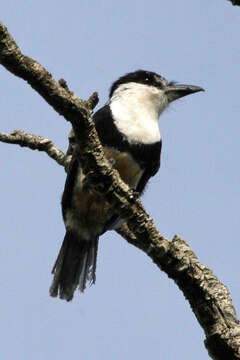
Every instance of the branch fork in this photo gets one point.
(208, 297)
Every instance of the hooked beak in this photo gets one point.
(176, 91)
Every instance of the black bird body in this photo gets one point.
(128, 130)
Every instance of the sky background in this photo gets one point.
(134, 310)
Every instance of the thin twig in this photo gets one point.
(208, 297)
(35, 142)
(235, 2)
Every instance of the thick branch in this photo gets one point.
(56, 94)
(209, 299)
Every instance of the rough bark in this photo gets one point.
(208, 297)
(34, 142)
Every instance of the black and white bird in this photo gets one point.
(129, 132)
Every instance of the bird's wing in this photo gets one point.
(147, 155)
(106, 129)
(151, 163)
(69, 185)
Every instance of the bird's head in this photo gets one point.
(149, 86)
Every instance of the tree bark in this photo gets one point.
(208, 297)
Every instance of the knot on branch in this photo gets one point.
(92, 101)
(64, 85)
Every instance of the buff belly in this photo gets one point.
(90, 211)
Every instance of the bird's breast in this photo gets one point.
(124, 163)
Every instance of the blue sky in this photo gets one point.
(134, 310)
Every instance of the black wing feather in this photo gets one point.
(147, 155)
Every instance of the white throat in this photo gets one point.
(136, 109)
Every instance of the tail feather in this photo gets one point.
(75, 266)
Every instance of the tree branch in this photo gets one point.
(208, 297)
(35, 142)
(235, 2)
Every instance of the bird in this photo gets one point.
(128, 129)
